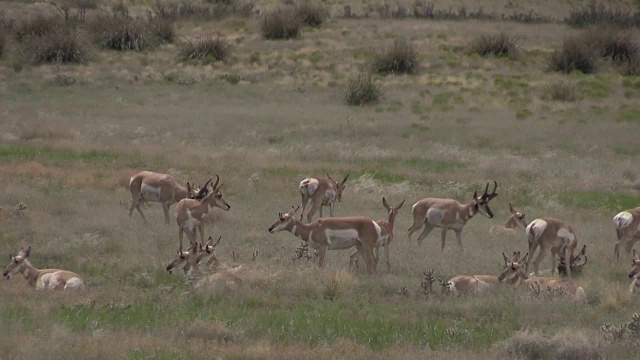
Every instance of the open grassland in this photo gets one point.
(272, 114)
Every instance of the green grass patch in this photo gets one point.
(594, 88)
(523, 113)
(629, 115)
(23, 152)
(600, 200)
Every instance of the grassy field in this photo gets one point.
(273, 114)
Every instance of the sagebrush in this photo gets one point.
(496, 44)
(282, 23)
(362, 89)
(576, 54)
(206, 49)
(401, 57)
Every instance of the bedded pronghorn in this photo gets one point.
(188, 262)
(514, 274)
(322, 192)
(387, 233)
(475, 284)
(634, 274)
(448, 214)
(155, 187)
(513, 225)
(339, 233)
(190, 212)
(554, 236)
(41, 278)
(627, 225)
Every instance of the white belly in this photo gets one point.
(150, 193)
(191, 223)
(435, 217)
(342, 239)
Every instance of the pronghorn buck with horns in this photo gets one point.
(515, 275)
(387, 233)
(513, 225)
(339, 233)
(190, 213)
(448, 214)
(147, 186)
(474, 284)
(322, 192)
(41, 278)
(627, 225)
(551, 235)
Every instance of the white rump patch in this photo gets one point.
(309, 185)
(150, 193)
(622, 220)
(342, 239)
(74, 283)
(537, 226)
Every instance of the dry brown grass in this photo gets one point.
(442, 132)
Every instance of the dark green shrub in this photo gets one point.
(498, 45)
(60, 45)
(311, 14)
(362, 89)
(282, 23)
(206, 49)
(123, 33)
(401, 57)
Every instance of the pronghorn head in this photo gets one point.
(339, 186)
(513, 267)
(184, 258)
(636, 265)
(481, 203)
(198, 193)
(215, 196)
(284, 219)
(393, 211)
(518, 216)
(17, 263)
(576, 266)
(208, 251)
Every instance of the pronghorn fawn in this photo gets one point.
(147, 186)
(634, 274)
(514, 274)
(513, 225)
(627, 225)
(190, 213)
(387, 234)
(188, 262)
(448, 214)
(474, 284)
(554, 236)
(207, 254)
(322, 192)
(339, 233)
(41, 278)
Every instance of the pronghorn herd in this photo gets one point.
(549, 235)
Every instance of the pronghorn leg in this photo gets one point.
(386, 255)
(616, 251)
(165, 208)
(180, 236)
(443, 237)
(201, 231)
(315, 205)
(134, 202)
(425, 233)
(320, 210)
(459, 239)
(353, 259)
(322, 252)
(305, 200)
(331, 209)
(539, 258)
(533, 245)
(566, 252)
(192, 236)
(553, 261)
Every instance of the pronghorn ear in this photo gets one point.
(329, 177)
(209, 240)
(399, 206)
(584, 250)
(385, 204)
(525, 258)
(511, 208)
(345, 179)
(506, 261)
(635, 255)
(475, 196)
(26, 253)
(217, 242)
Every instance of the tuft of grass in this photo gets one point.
(565, 345)
(602, 14)
(37, 26)
(576, 54)
(523, 113)
(3, 42)
(561, 91)
(616, 45)
(311, 14)
(60, 45)
(401, 57)
(362, 89)
(501, 45)
(593, 199)
(123, 33)
(281, 23)
(206, 49)
(629, 115)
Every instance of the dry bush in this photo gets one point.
(362, 90)
(206, 49)
(599, 13)
(561, 91)
(3, 42)
(632, 67)
(565, 345)
(527, 345)
(617, 45)
(37, 26)
(576, 54)
(311, 14)
(401, 57)
(282, 23)
(62, 44)
(208, 331)
(498, 45)
(124, 33)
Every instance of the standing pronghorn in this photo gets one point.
(190, 212)
(322, 192)
(514, 275)
(515, 221)
(387, 233)
(449, 214)
(41, 278)
(339, 233)
(162, 188)
(627, 225)
(634, 274)
(551, 235)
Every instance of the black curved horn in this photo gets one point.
(217, 181)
